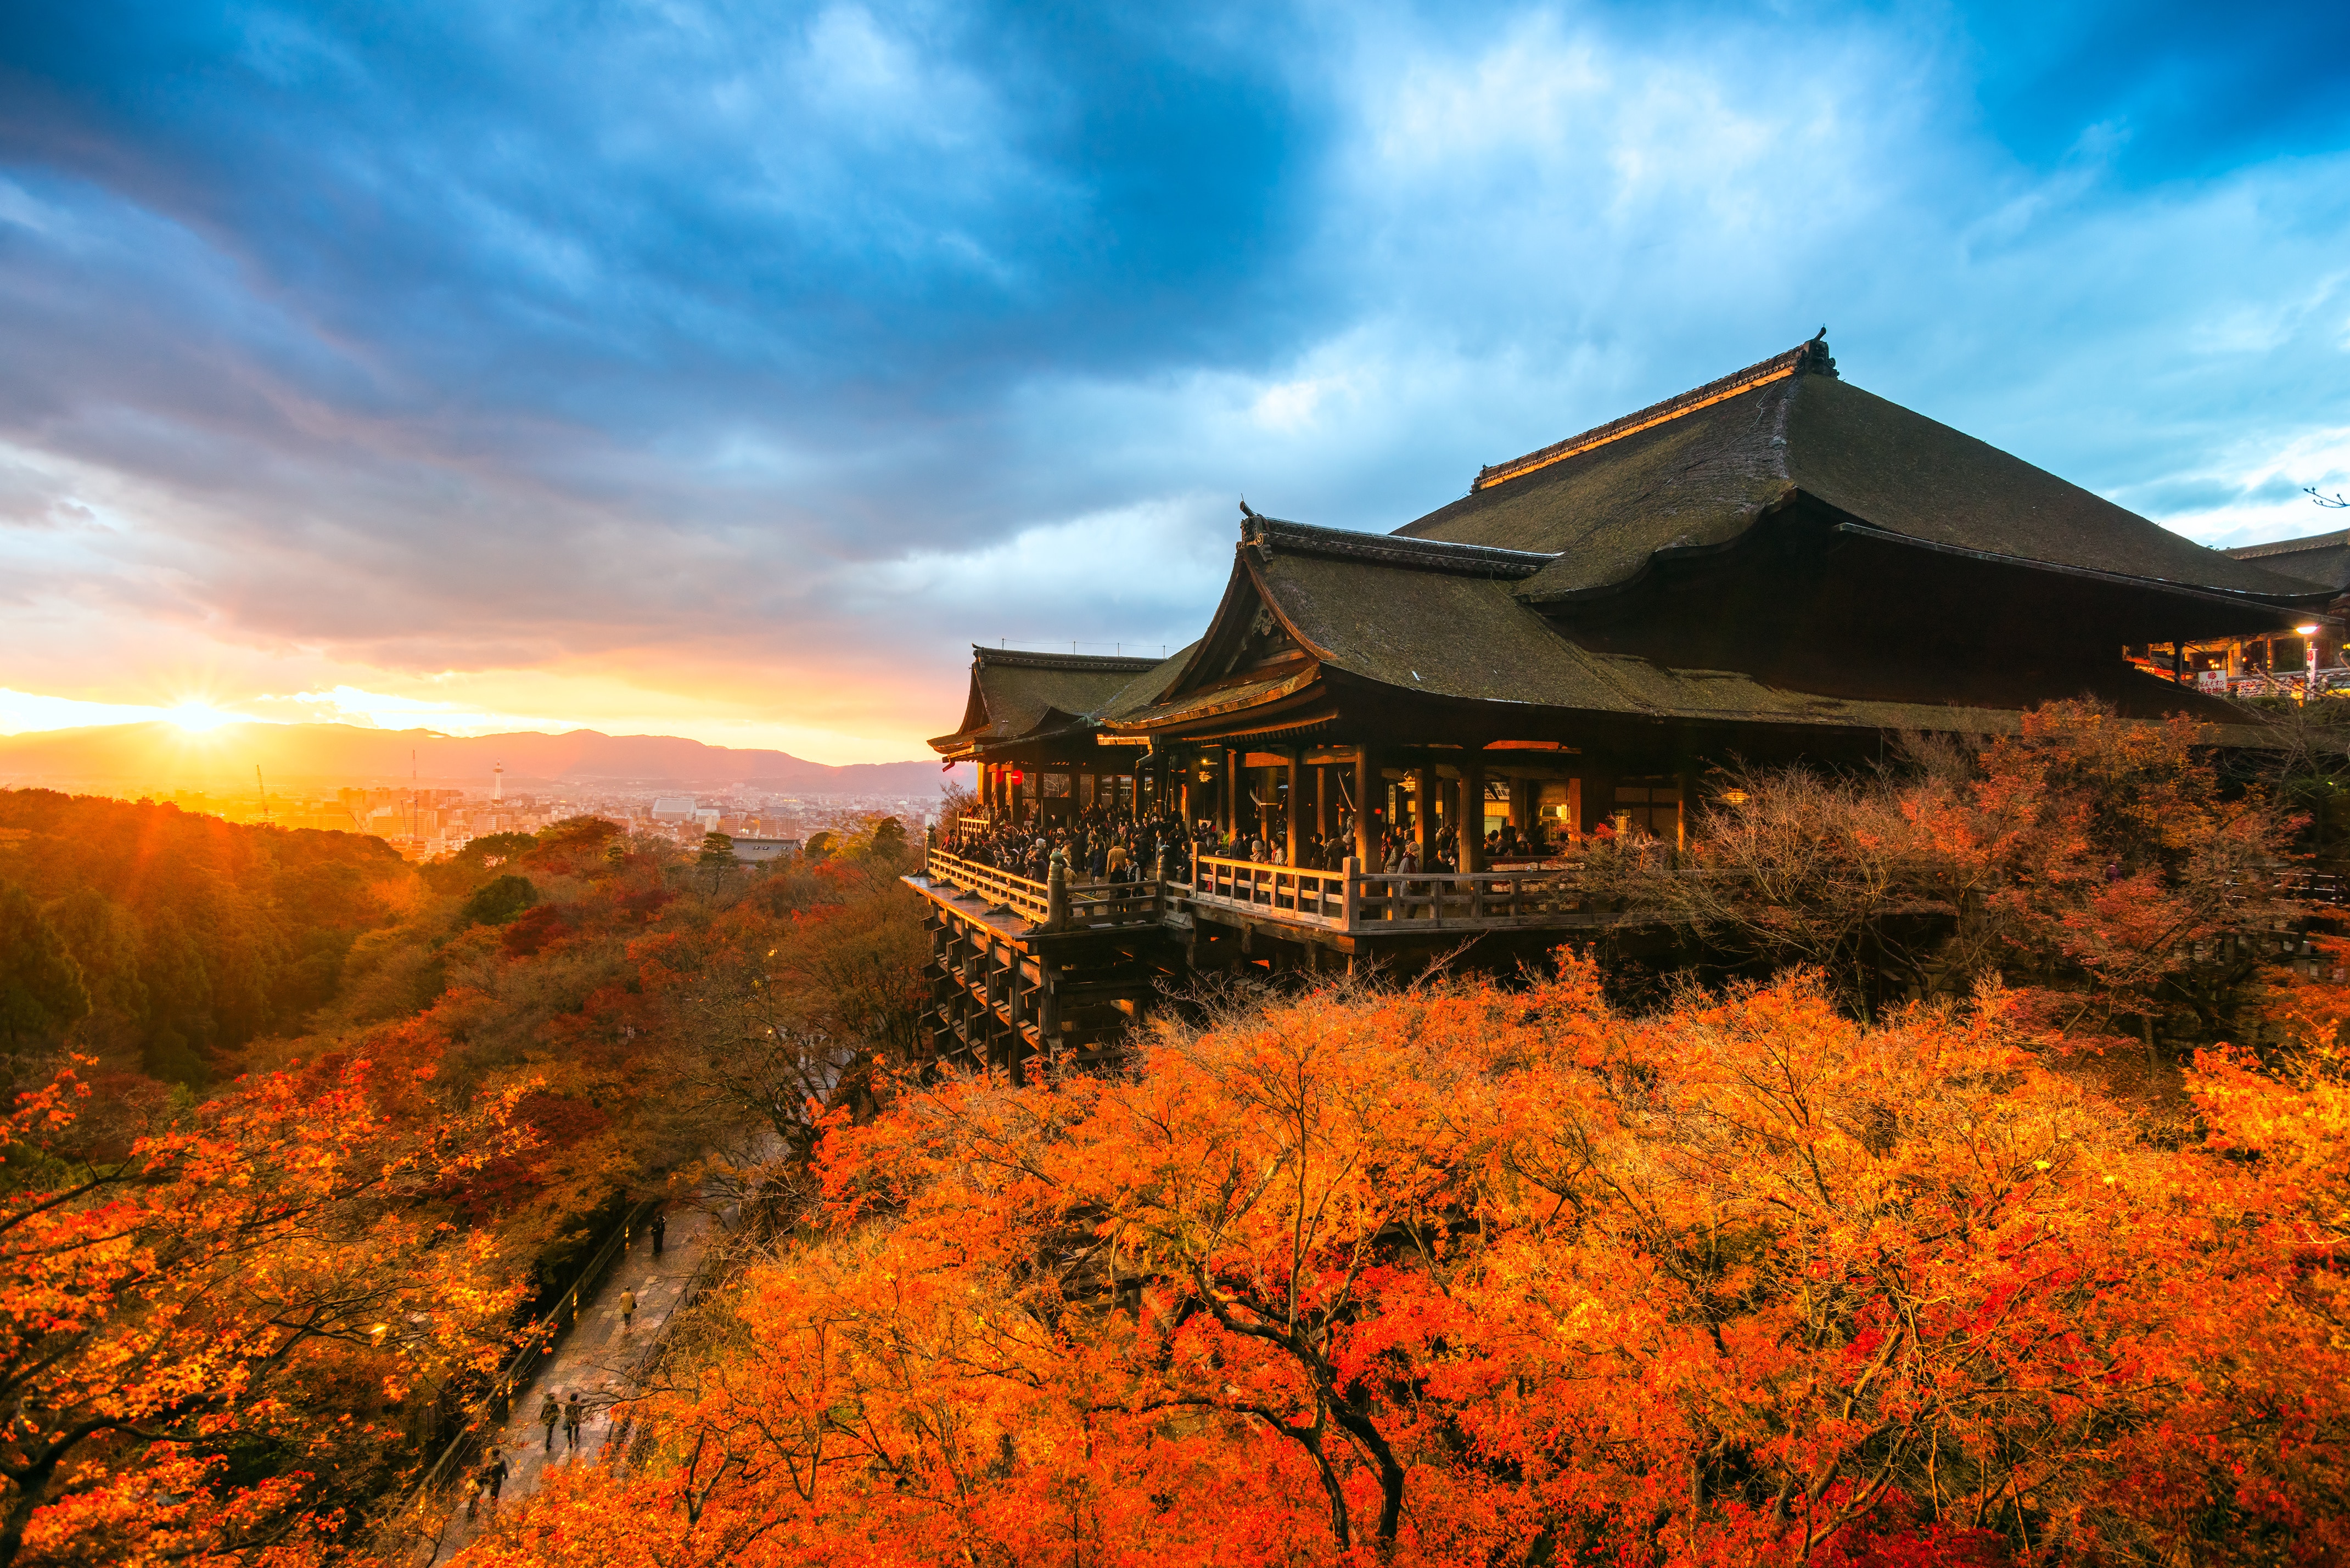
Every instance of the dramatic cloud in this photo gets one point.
(723, 369)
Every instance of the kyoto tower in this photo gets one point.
(497, 783)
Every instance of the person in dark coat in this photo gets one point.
(661, 1229)
(494, 1476)
(573, 1416)
(549, 1412)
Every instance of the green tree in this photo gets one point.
(717, 857)
(179, 1001)
(41, 993)
(496, 902)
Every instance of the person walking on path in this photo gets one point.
(549, 1412)
(493, 1480)
(628, 1309)
(572, 1417)
(661, 1229)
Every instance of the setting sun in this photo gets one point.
(198, 717)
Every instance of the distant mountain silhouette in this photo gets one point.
(161, 754)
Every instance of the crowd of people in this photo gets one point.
(1106, 845)
(1099, 845)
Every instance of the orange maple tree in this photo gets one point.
(1471, 1275)
(194, 1319)
(2101, 866)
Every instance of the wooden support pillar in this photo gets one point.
(1423, 814)
(1367, 779)
(1231, 825)
(1471, 831)
(1048, 1006)
(1296, 810)
(1322, 802)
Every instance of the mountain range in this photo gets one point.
(161, 754)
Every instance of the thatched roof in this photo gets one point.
(1015, 694)
(2323, 559)
(1697, 473)
(1519, 599)
(1439, 622)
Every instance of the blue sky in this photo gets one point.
(724, 369)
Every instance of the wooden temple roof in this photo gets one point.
(1304, 613)
(2321, 559)
(1593, 580)
(1016, 695)
(1698, 471)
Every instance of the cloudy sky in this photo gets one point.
(725, 369)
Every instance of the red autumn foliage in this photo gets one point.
(2100, 868)
(256, 1277)
(1470, 1276)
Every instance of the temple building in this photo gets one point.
(2264, 664)
(1777, 566)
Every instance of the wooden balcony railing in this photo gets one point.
(1084, 906)
(1382, 901)
(1370, 903)
(1312, 898)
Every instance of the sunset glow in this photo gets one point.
(201, 718)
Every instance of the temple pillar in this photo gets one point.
(1423, 814)
(1297, 809)
(1471, 831)
(1367, 779)
(1322, 802)
(1231, 825)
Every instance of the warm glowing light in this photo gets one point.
(199, 717)
(2305, 630)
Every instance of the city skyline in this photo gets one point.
(722, 375)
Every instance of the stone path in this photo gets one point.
(597, 1357)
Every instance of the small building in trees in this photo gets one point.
(1777, 566)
